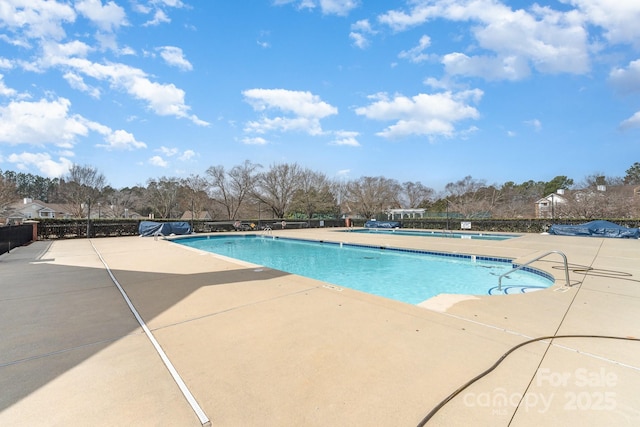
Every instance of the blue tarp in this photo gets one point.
(151, 228)
(595, 229)
(382, 224)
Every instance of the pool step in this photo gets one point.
(509, 290)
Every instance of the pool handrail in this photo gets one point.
(566, 267)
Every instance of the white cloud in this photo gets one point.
(328, 7)
(626, 80)
(121, 140)
(254, 141)
(43, 162)
(547, 40)
(303, 109)
(175, 57)
(159, 17)
(535, 124)
(618, 18)
(416, 54)
(56, 53)
(158, 8)
(41, 19)
(41, 122)
(423, 114)
(187, 155)
(348, 138)
(50, 122)
(162, 99)
(77, 82)
(359, 32)
(5, 63)
(45, 22)
(553, 42)
(174, 152)
(261, 39)
(297, 102)
(108, 17)
(400, 21)
(338, 7)
(158, 161)
(168, 3)
(632, 122)
(169, 152)
(490, 68)
(4, 90)
(359, 40)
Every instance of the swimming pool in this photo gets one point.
(407, 275)
(425, 233)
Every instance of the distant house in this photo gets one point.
(202, 215)
(393, 214)
(29, 209)
(548, 205)
(602, 199)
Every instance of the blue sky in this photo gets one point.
(416, 90)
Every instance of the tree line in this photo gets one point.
(288, 190)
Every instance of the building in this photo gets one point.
(395, 214)
(29, 209)
(547, 207)
(619, 201)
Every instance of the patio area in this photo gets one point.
(255, 346)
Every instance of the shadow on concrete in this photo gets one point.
(53, 317)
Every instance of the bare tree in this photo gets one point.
(81, 187)
(162, 196)
(230, 190)
(314, 194)
(193, 196)
(118, 203)
(599, 179)
(470, 196)
(416, 194)
(8, 192)
(617, 201)
(370, 196)
(518, 200)
(276, 187)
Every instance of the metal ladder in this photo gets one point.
(566, 268)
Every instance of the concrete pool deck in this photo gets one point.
(255, 346)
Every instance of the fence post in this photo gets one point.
(34, 229)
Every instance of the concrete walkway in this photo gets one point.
(255, 346)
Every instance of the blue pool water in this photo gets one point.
(404, 275)
(448, 234)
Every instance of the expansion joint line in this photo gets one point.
(204, 420)
(544, 355)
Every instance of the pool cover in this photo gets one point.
(382, 224)
(151, 228)
(595, 229)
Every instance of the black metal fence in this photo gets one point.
(519, 225)
(72, 229)
(12, 236)
(49, 229)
